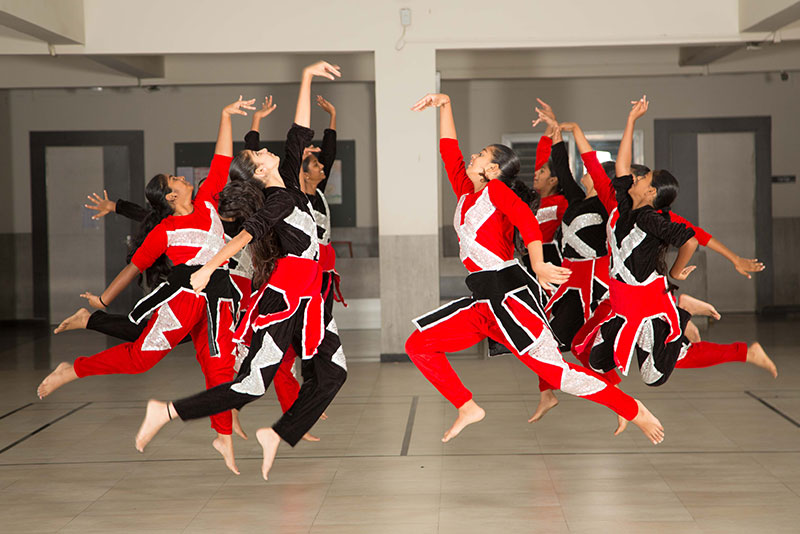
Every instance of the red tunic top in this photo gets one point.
(191, 239)
(484, 220)
(551, 211)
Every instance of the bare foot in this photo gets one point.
(310, 437)
(157, 415)
(648, 424)
(547, 401)
(697, 306)
(692, 333)
(757, 356)
(237, 426)
(469, 413)
(323, 417)
(224, 446)
(63, 374)
(269, 440)
(76, 321)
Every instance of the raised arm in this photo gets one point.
(572, 191)
(447, 124)
(327, 153)
(601, 181)
(302, 113)
(252, 139)
(625, 154)
(224, 135)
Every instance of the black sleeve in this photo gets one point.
(277, 206)
(658, 225)
(572, 191)
(131, 210)
(297, 139)
(621, 185)
(252, 140)
(327, 156)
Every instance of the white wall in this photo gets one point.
(184, 114)
(485, 110)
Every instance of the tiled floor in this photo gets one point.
(730, 462)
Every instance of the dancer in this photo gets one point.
(506, 301)
(645, 319)
(189, 233)
(315, 170)
(288, 308)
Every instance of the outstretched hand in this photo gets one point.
(238, 107)
(543, 109)
(311, 149)
(327, 106)
(324, 70)
(685, 272)
(103, 206)
(266, 108)
(639, 108)
(746, 266)
(94, 300)
(435, 100)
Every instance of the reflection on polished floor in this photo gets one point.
(730, 461)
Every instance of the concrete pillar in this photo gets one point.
(408, 192)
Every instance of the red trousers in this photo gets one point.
(427, 348)
(184, 314)
(287, 388)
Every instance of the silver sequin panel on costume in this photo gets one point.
(324, 220)
(621, 252)
(338, 356)
(305, 223)
(467, 232)
(208, 241)
(570, 234)
(646, 342)
(550, 213)
(572, 382)
(268, 354)
(165, 321)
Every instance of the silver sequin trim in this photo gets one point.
(324, 221)
(305, 223)
(475, 217)
(573, 382)
(244, 262)
(550, 213)
(620, 253)
(208, 241)
(570, 233)
(241, 354)
(646, 342)
(253, 383)
(165, 321)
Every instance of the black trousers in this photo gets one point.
(323, 376)
(655, 365)
(118, 326)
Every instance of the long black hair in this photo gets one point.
(667, 188)
(508, 161)
(239, 200)
(242, 166)
(156, 193)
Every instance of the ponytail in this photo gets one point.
(508, 161)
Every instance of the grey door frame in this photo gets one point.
(676, 150)
(39, 142)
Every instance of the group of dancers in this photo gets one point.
(245, 269)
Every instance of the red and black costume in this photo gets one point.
(552, 207)
(189, 241)
(506, 302)
(286, 386)
(643, 317)
(287, 310)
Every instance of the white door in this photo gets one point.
(726, 175)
